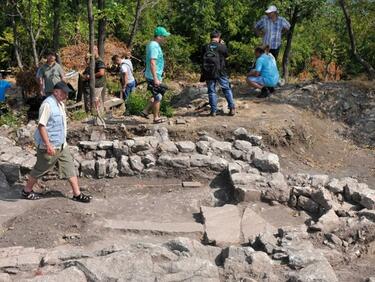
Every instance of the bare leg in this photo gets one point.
(156, 109)
(74, 184)
(30, 184)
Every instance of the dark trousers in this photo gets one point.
(275, 52)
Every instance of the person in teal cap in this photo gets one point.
(154, 73)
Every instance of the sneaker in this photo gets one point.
(30, 195)
(232, 112)
(82, 198)
(212, 114)
(264, 93)
(271, 89)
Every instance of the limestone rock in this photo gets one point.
(242, 145)
(308, 205)
(185, 146)
(278, 189)
(125, 168)
(179, 161)
(328, 222)
(198, 160)
(105, 145)
(89, 145)
(252, 225)
(168, 147)
(322, 197)
(221, 147)
(203, 147)
(71, 274)
(136, 163)
(11, 171)
(319, 180)
(101, 168)
(242, 134)
(222, 225)
(266, 162)
(261, 265)
(218, 164)
(149, 161)
(112, 168)
(360, 193)
(88, 168)
(319, 271)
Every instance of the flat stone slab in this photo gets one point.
(253, 224)
(222, 225)
(157, 227)
(191, 184)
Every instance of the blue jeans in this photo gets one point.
(129, 89)
(225, 87)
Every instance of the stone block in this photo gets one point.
(168, 147)
(266, 162)
(136, 163)
(11, 171)
(242, 145)
(221, 147)
(319, 180)
(198, 160)
(125, 168)
(178, 161)
(88, 168)
(88, 145)
(185, 146)
(105, 145)
(308, 205)
(222, 225)
(112, 168)
(101, 168)
(203, 147)
(253, 224)
(218, 164)
(149, 160)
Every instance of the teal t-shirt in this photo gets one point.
(4, 85)
(268, 70)
(154, 51)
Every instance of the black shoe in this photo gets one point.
(271, 89)
(264, 93)
(82, 198)
(232, 112)
(212, 114)
(30, 195)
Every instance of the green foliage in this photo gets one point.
(78, 115)
(320, 30)
(10, 118)
(136, 102)
(139, 99)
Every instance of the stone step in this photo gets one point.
(172, 228)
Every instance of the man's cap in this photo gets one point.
(62, 86)
(161, 31)
(215, 34)
(271, 9)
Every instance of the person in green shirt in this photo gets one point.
(154, 73)
(49, 74)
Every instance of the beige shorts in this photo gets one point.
(46, 163)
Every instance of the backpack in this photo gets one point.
(211, 62)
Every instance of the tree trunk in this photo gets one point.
(135, 23)
(101, 28)
(288, 47)
(91, 51)
(34, 49)
(369, 69)
(16, 44)
(56, 25)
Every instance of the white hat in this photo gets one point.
(271, 9)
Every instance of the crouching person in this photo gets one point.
(265, 75)
(52, 149)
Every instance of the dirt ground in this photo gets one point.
(304, 140)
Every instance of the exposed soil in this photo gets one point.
(306, 140)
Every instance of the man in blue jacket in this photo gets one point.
(52, 149)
